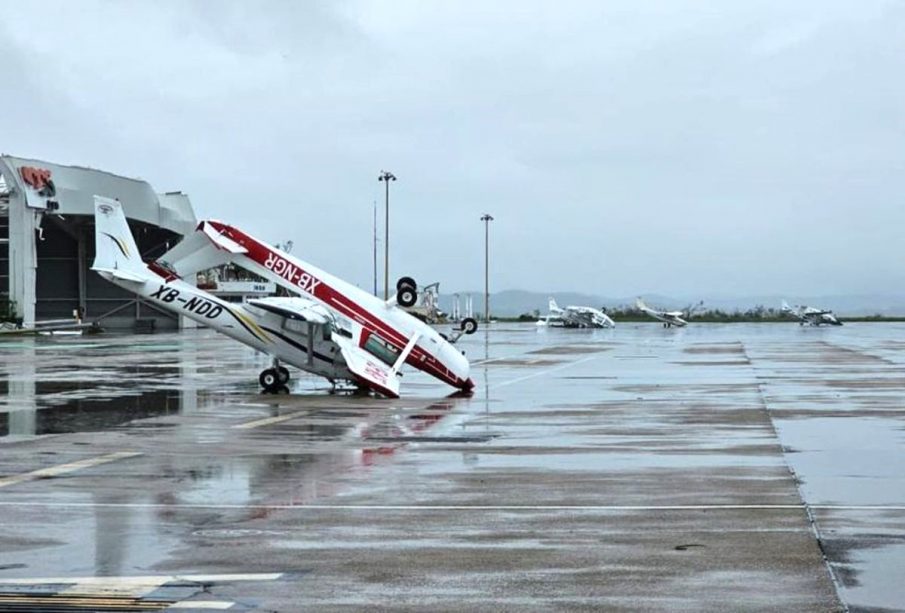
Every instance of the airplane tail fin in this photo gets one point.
(116, 251)
(785, 307)
(639, 304)
(552, 305)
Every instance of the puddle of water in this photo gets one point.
(877, 577)
(108, 541)
(846, 460)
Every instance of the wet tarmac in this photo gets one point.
(742, 467)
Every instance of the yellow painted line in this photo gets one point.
(100, 592)
(118, 604)
(269, 420)
(85, 604)
(63, 469)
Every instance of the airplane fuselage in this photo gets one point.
(586, 317)
(818, 319)
(670, 319)
(352, 306)
(295, 343)
(811, 316)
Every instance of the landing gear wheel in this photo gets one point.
(407, 296)
(283, 374)
(270, 380)
(405, 282)
(469, 325)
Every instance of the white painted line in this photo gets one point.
(219, 605)
(502, 357)
(232, 577)
(543, 372)
(143, 580)
(62, 469)
(421, 508)
(134, 588)
(269, 420)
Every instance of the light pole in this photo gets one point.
(375, 247)
(486, 218)
(386, 177)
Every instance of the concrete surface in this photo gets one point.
(632, 469)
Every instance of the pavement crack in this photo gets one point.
(812, 520)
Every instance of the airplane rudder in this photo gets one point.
(115, 246)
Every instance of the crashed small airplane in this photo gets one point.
(669, 318)
(575, 317)
(810, 316)
(328, 328)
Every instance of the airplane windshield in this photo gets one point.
(381, 349)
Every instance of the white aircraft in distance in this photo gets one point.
(335, 330)
(576, 317)
(669, 318)
(810, 315)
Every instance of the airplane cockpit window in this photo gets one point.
(335, 327)
(381, 349)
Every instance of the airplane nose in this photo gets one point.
(459, 365)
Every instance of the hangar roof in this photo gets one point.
(74, 188)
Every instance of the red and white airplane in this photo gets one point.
(329, 327)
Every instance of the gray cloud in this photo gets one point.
(624, 147)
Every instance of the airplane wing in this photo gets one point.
(297, 308)
(221, 241)
(369, 371)
(194, 253)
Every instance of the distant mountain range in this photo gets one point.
(510, 303)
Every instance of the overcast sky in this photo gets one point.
(678, 147)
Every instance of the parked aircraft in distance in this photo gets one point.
(810, 315)
(336, 330)
(576, 317)
(669, 318)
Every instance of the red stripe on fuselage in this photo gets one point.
(418, 358)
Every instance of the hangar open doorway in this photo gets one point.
(47, 242)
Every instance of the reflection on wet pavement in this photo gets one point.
(616, 469)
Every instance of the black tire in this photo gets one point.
(269, 379)
(283, 374)
(469, 325)
(405, 282)
(407, 296)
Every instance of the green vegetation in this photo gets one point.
(758, 314)
(8, 311)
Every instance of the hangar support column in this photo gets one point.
(23, 257)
